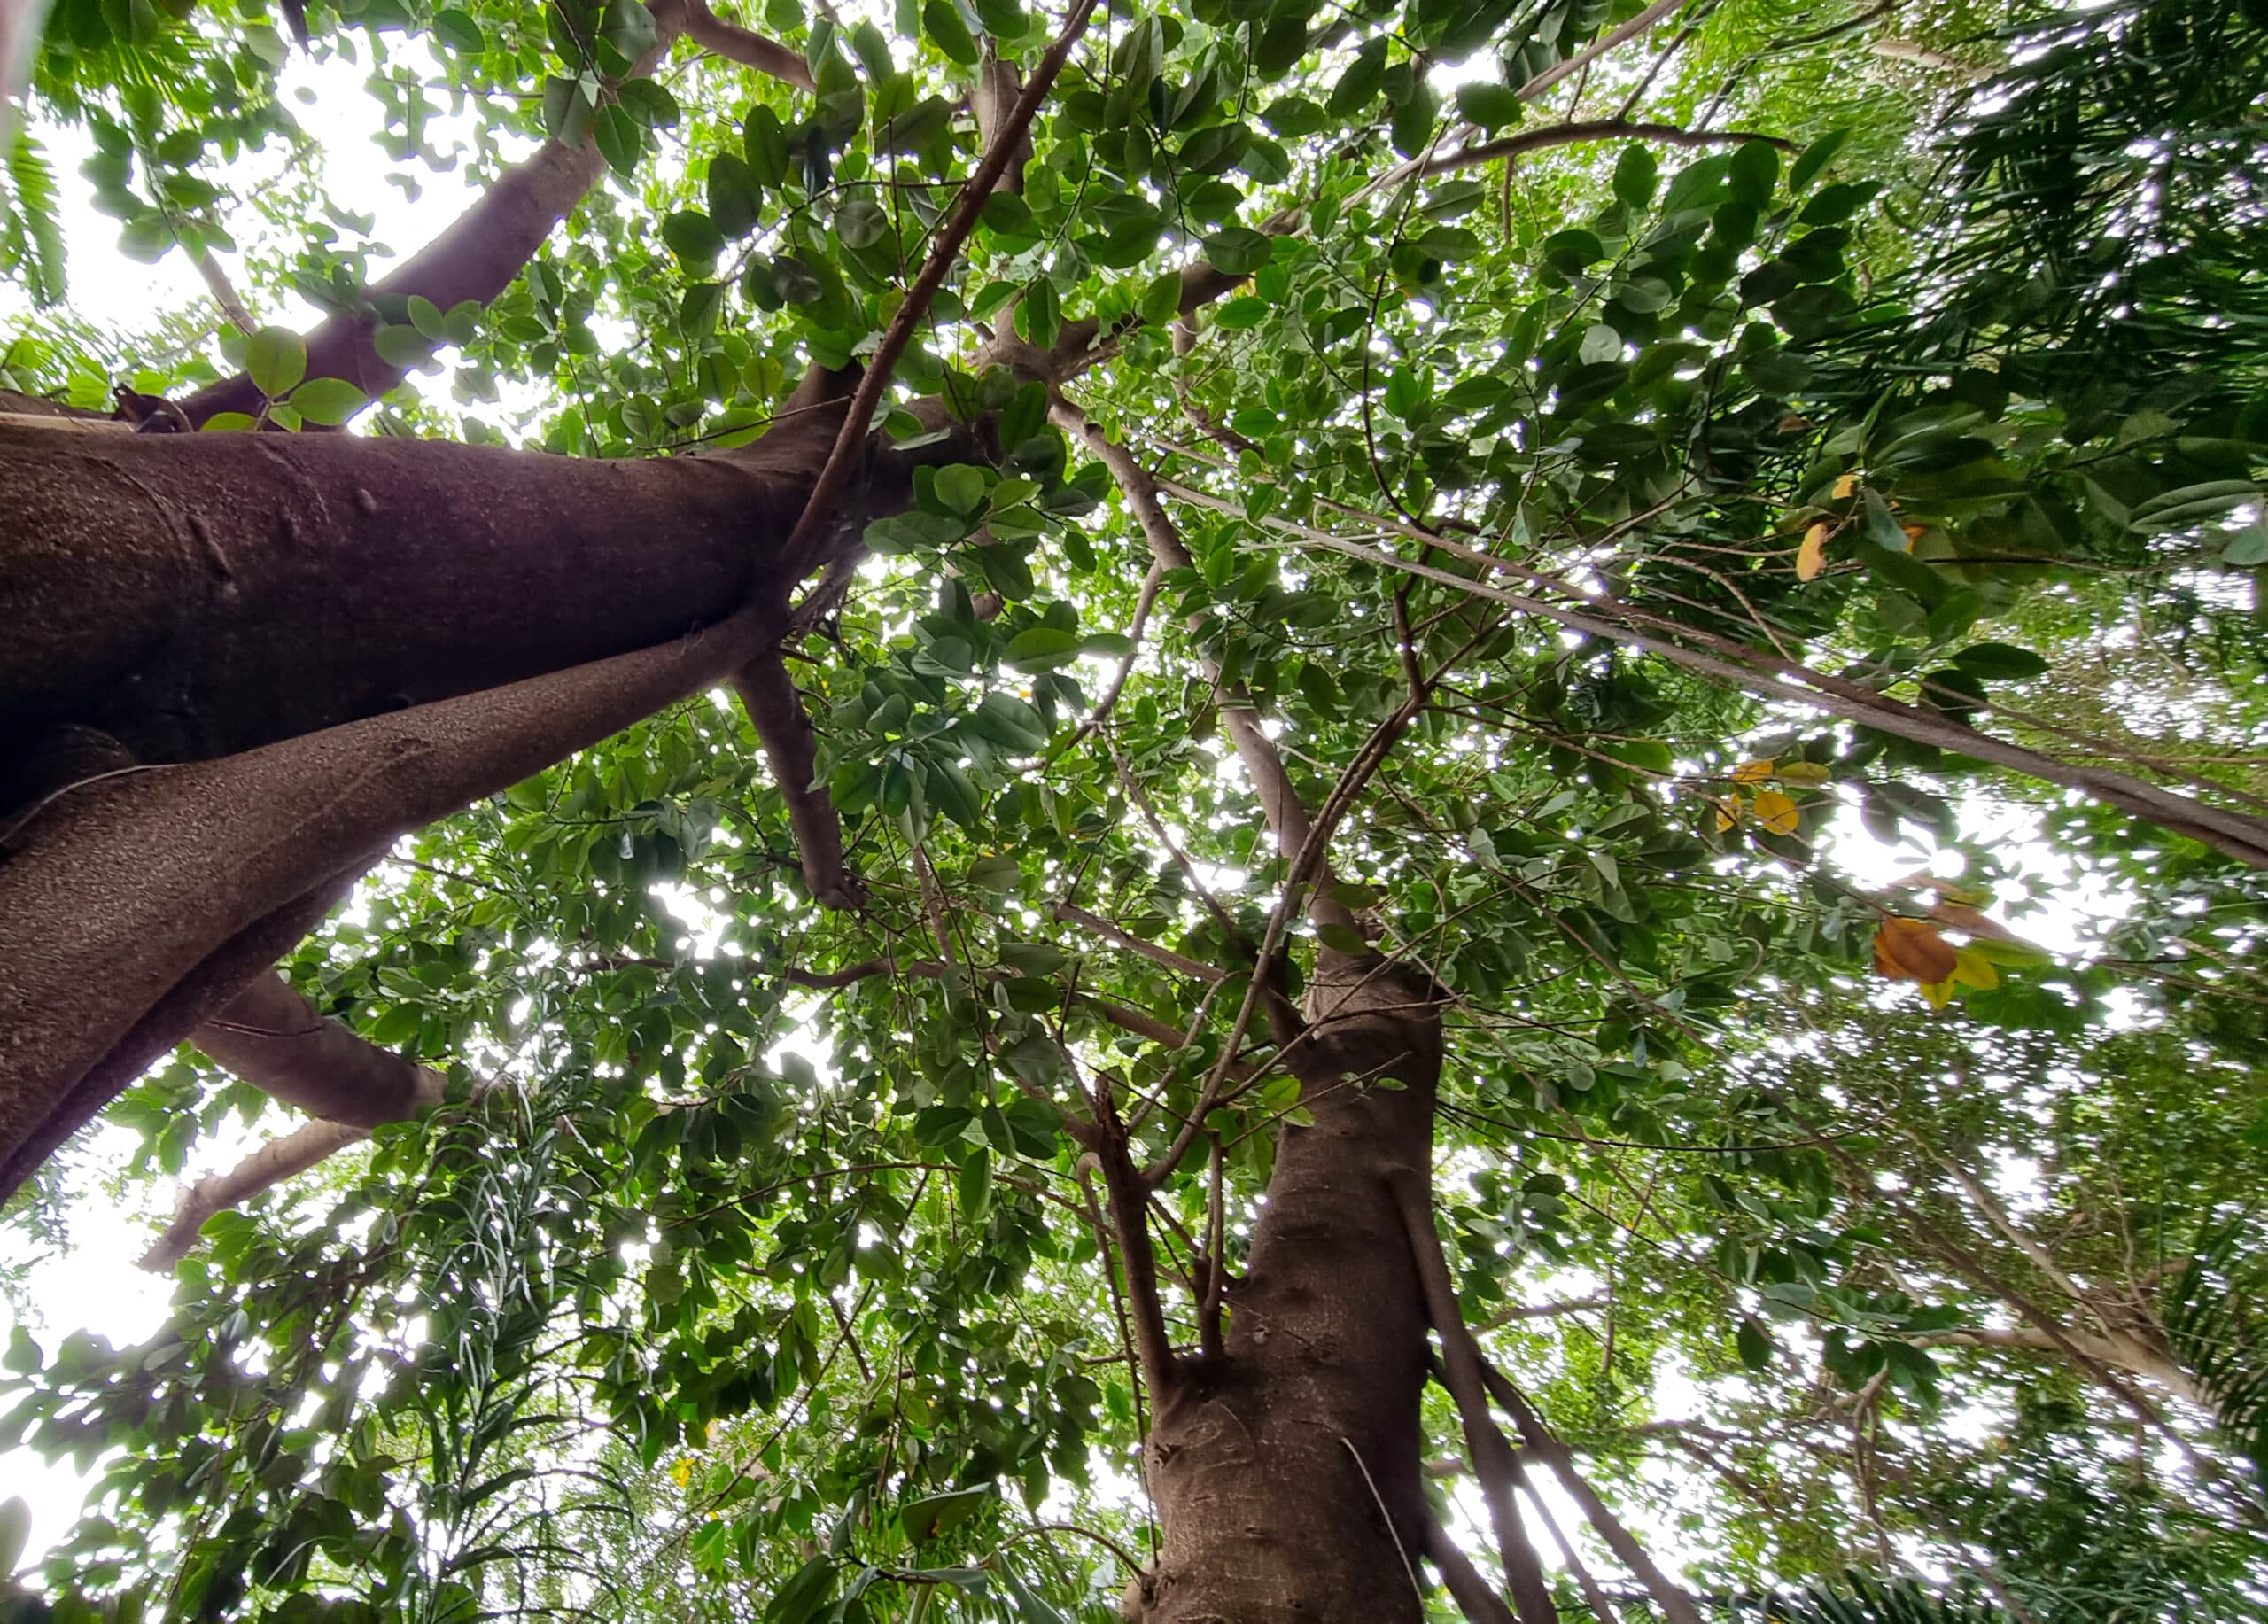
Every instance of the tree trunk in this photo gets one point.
(1289, 1475)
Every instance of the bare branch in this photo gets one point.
(1180, 964)
(1597, 48)
(271, 1037)
(736, 43)
(266, 1168)
(1592, 130)
(1484, 1445)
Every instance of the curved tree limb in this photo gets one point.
(480, 254)
(1589, 129)
(270, 1165)
(273, 1038)
(734, 42)
(119, 893)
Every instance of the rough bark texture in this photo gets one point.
(194, 595)
(1270, 1468)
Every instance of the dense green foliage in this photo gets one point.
(720, 1293)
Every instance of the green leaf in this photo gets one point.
(735, 199)
(1043, 648)
(277, 361)
(1636, 174)
(15, 1532)
(942, 22)
(961, 487)
(802, 1596)
(938, 1515)
(2000, 662)
(455, 29)
(1755, 1345)
(1491, 106)
(861, 223)
(1814, 159)
(693, 238)
(1238, 250)
(328, 400)
(621, 138)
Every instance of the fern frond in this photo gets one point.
(32, 247)
(1859, 1599)
(2213, 1322)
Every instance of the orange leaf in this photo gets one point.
(1753, 771)
(1811, 557)
(1912, 950)
(1846, 487)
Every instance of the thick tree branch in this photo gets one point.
(791, 748)
(480, 254)
(270, 1165)
(118, 892)
(273, 1038)
(734, 42)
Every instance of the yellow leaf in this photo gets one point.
(1776, 812)
(1938, 992)
(1728, 812)
(1972, 968)
(1846, 487)
(683, 1472)
(1811, 557)
(1753, 771)
(1803, 772)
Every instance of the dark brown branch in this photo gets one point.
(1590, 129)
(791, 748)
(1484, 1445)
(945, 250)
(117, 894)
(1130, 1218)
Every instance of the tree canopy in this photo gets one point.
(1236, 811)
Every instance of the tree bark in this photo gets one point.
(273, 1039)
(1289, 1475)
(196, 596)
